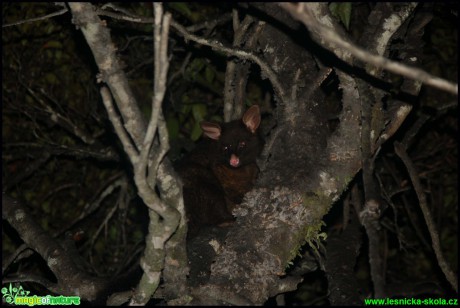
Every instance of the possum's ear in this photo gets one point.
(251, 118)
(211, 130)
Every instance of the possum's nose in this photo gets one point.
(234, 161)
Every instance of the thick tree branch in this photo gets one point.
(111, 72)
(71, 280)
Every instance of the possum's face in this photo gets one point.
(238, 141)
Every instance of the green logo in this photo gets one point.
(19, 296)
(10, 293)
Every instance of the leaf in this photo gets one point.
(199, 112)
(181, 7)
(53, 44)
(172, 123)
(342, 11)
(187, 10)
(194, 68)
(185, 108)
(209, 74)
(50, 28)
(196, 131)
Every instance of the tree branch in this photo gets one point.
(434, 234)
(331, 40)
(164, 218)
(216, 45)
(60, 261)
(159, 231)
(63, 11)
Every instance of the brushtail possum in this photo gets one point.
(220, 170)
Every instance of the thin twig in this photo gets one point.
(129, 148)
(216, 45)
(434, 234)
(63, 11)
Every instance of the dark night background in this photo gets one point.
(59, 168)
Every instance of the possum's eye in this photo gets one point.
(226, 148)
